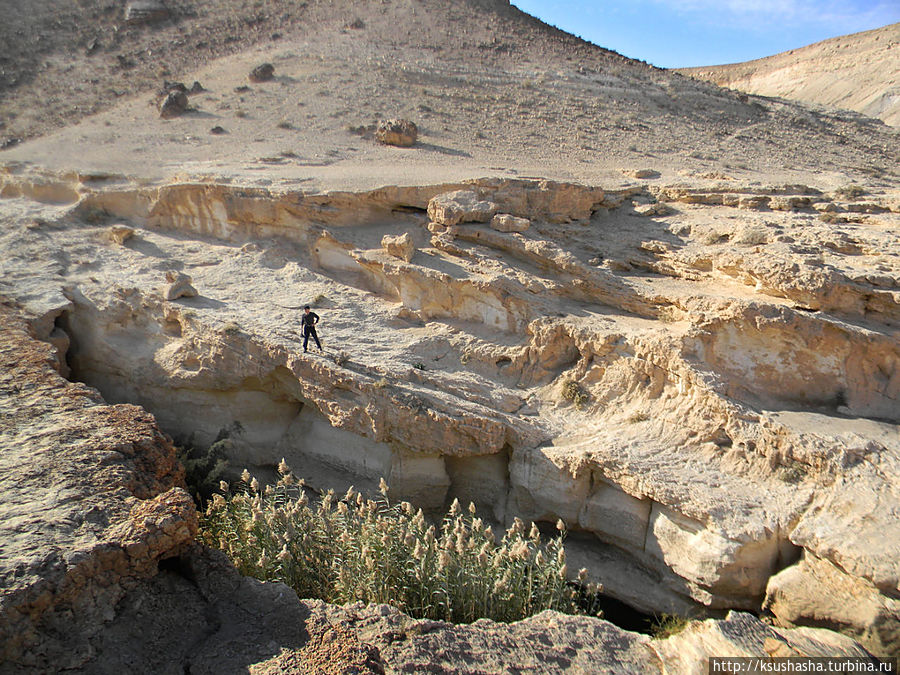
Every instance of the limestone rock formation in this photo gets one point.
(708, 400)
(400, 246)
(399, 132)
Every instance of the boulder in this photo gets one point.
(400, 246)
(173, 104)
(398, 132)
(504, 222)
(460, 206)
(119, 234)
(262, 73)
(179, 286)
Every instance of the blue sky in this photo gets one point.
(682, 33)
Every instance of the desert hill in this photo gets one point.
(488, 85)
(592, 291)
(857, 72)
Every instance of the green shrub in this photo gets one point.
(203, 468)
(370, 550)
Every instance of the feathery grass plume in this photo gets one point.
(371, 550)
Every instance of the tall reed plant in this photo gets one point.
(372, 550)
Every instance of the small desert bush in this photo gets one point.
(667, 625)
(358, 549)
(573, 393)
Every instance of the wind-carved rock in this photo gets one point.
(179, 286)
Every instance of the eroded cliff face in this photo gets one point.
(705, 394)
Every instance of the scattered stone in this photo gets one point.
(505, 222)
(436, 228)
(400, 246)
(196, 88)
(9, 143)
(179, 286)
(139, 12)
(241, 89)
(262, 73)
(356, 24)
(641, 173)
(398, 132)
(460, 206)
(217, 131)
(173, 105)
(119, 234)
(657, 209)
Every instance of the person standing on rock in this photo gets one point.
(309, 321)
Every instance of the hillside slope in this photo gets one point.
(857, 72)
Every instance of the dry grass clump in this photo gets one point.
(370, 550)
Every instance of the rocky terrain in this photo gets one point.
(856, 72)
(591, 290)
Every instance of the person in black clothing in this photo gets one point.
(309, 321)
